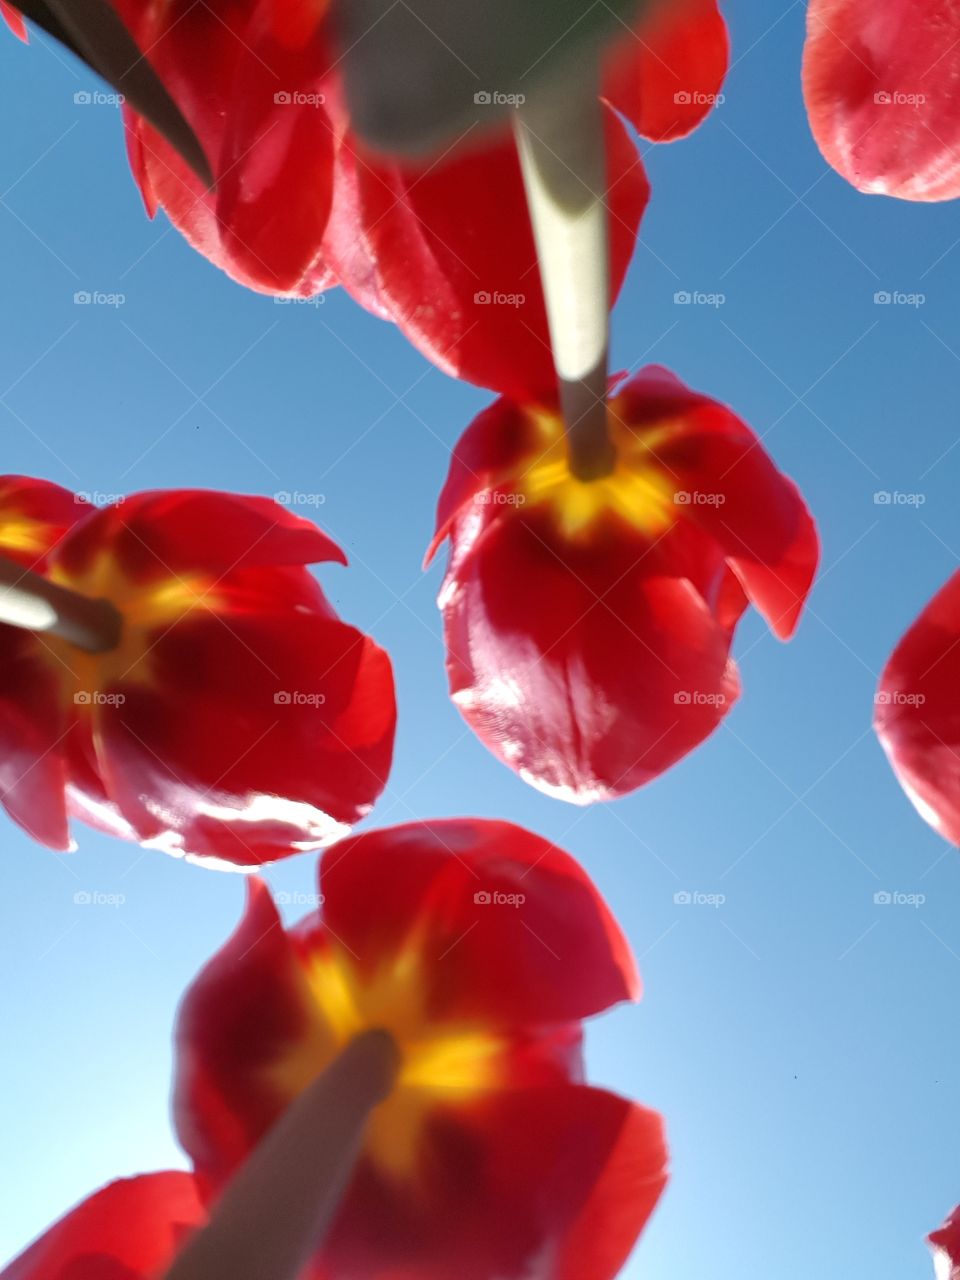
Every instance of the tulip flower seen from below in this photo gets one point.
(917, 712)
(480, 948)
(236, 719)
(588, 623)
(882, 88)
(442, 246)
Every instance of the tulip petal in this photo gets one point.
(917, 712)
(288, 741)
(728, 486)
(666, 75)
(586, 683)
(183, 531)
(34, 517)
(546, 1184)
(882, 88)
(276, 167)
(14, 20)
(33, 730)
(457, 263)
(245, 1003)
(945, 1243)
(129, 1230)
(555, 956)
(260, 225)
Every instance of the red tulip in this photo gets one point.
(129, 1230)
(945, 1243)
(917, 713)
(588, 624)
(666, 75)
(34, 516)
(882, 88)
(480, 948)
(467, 295)
(237, 719)
(299, 206)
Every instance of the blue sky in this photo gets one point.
(800, 1039)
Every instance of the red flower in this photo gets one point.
(588, 624)
(129, 1230)
(298, 206)
(480, 948)
(917, 713)
(882, 88)
(238, 718)
(666, 75)
(34, 516)
(945, 1243)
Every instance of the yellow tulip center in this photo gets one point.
(439, 1064)
(148, 608)
(639, 490)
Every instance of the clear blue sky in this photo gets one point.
(801, 1041)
